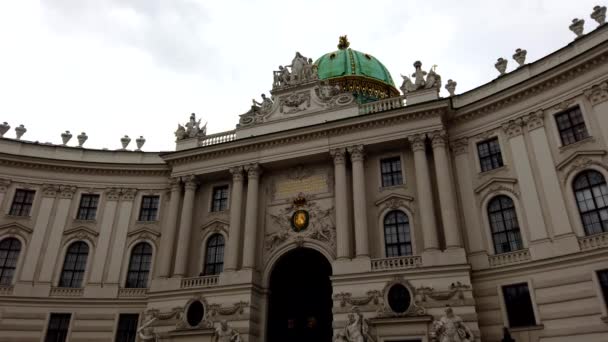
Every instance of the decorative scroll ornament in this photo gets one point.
(422, 80)
(294, 102)
(320, 226)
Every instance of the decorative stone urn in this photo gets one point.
(82, 138)
(451, 87)
(520, 56)
(140, 142)
(599, 14)
(4, 127)
(20, 131)
(65, 137)
(125, 141)
(577, 27)
(501, 65)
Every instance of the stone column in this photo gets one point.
(467, 196)
(527, 186)
(423, 191)
(342, 235)
(165, 253)
(33, 251)
(357, 157)
(446, 191)
(251, 215)
(3, 189)
(127, 196)
(53, 242)
(231, 253)
(185, 226)
(105, 235)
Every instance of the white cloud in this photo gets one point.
(139, 67)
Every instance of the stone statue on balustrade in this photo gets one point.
(191, 129)
(422, 79)
(263, 107)
(451, 328)
(302, 69)
(224, 333)
(356, 329)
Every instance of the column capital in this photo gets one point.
(513, 128)
(338, 154)
(417, 142)
(4, 183)
(190, 182)
(439, 138)
(534, 120)
(460, 146)
(128, 194)
(237, 173)
(112, 194)
(357, 153)
(67, 191)
(175, 184)
(253, 170)
(50, 190)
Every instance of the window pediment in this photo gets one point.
(394, 201)
(16, 228)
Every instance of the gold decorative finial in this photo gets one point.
(343, 43)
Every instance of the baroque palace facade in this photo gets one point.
(338, 209)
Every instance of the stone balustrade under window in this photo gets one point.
(382, 105)
(383, 264)
(132, 292)
(509, 258)
(66, 292)
(593, 241)
(218, 138)
(206, 281)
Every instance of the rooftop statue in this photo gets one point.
(432, 79)
(263, 107)
(192, 129)
(450, 328)
(302, 70)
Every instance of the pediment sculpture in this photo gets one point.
(421, 80)
(451, 328)
(191, 129)
(302, 70)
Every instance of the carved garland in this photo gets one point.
(345, 298)
(236, 308)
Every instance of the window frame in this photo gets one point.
(386, 245)
(84, 271)
(392, 173)
(597, 209)
(213, 199)
(48, 326)
(118, 331)
(17, 261)
(148, 218)
(149, 271)
(20, 211)
(490, 155)
(88, 208)
(567, 112)
(206, 264)
(516, 219)
(504, 309)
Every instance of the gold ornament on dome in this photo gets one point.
(343, 43)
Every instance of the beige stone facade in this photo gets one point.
(326, 159)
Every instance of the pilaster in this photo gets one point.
(342, 236)
(126, 197)
(357, 156)
(185, 226)
(165, 254)
(251, 215)
(234, 236)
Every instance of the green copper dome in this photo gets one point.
(356, 71)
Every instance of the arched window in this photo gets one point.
(592, 198)
(9, 253)
(74, 265)
(214, 258)
(139, 266)
(503, 221)
(397, 237)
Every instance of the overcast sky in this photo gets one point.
(139, 67)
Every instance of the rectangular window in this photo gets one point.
(602, 276)
(88, 207)
(59, 323)
(22, 202)
(149, 208)
(127, 328)
(220, 198)
(571, 126)
(390, 169)
(490, 157)
(519, 305)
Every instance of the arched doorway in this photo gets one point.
(300, 298)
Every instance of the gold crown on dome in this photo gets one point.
(343, 43)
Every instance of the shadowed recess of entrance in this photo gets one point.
(300, 301)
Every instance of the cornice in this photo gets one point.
(532, 86)
(83, 167)
(299, 135)
(498, 180)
